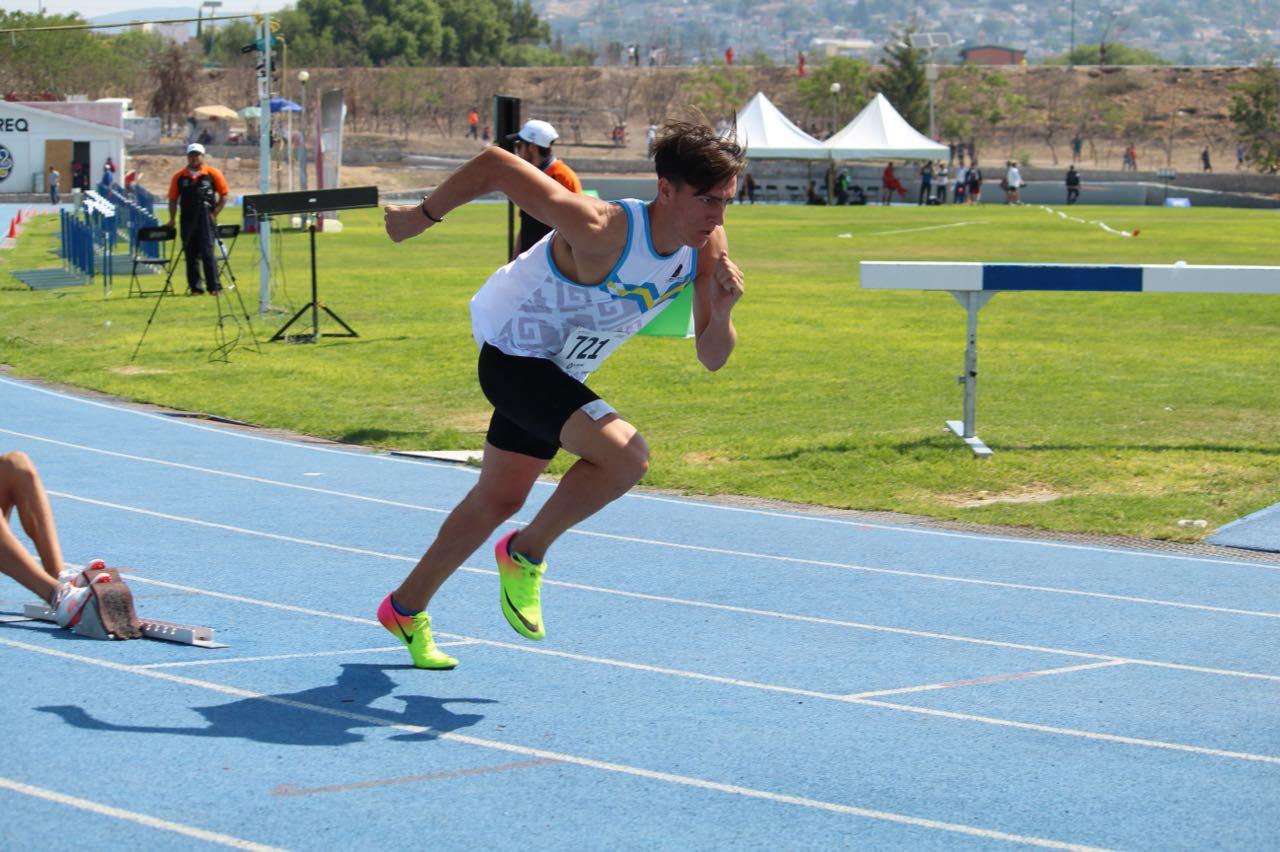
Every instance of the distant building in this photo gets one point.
(991, 54)
(75, 137)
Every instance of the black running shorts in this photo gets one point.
(532, 400)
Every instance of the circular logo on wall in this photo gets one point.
(6, 163)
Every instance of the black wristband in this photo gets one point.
(423, 207)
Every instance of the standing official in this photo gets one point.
(201, 191)
(533, 145)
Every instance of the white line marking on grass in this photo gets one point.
(591, 763)
(991, 679)
(131, 816)
(637, 595)
(720, 507)
(786, 690)
(928, 228)
(661, 543)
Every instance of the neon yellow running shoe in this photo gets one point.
(521, 589)
(415, 632)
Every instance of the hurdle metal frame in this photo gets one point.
(975, 284)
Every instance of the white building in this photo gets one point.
(34, 137)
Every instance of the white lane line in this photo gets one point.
(990, 539)
(974, 681)
(785, 690)
(927, 228)
(718, 507)
(1028, 587)
(757, 685)
(132, 816)
(223, 661)
(845, 566)
(229, 475)
(354, 452)
(591, 763)
(658, 598)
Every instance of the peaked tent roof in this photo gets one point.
(880, 133)
(767, 134)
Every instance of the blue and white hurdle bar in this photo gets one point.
(974, 284)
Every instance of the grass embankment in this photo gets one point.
(1108, 413)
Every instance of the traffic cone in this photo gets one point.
(13, 228)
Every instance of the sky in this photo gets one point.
(93, 8)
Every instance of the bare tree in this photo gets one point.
(173, 72)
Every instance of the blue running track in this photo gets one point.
(714, 676)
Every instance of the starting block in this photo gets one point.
(109, 614)
(167, 631)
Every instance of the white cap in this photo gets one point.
(539, 132)
(195, 148)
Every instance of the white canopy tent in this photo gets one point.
(880, 133)
(767, 134)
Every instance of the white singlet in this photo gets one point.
(528, 308)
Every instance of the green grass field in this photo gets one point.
(1109, 413)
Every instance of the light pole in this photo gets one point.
(831, 166)
(835, 94)
(210, 5)
(303, 77)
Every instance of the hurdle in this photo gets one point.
(975, 284)
(165, 631)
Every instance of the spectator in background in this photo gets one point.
(962, 184)
(1077, 145)
(1073, 184)
(131, 179)
(1240, 154)
(55, 179)
(728, 56)
(747, 189)
(800, 72)
(973, 183)
(473, 124)
(533, 145)
(889, 184)
(1204, 159)
(650, 135)
(1013, 178)
(941, 182)
(926, 184)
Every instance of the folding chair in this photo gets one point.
(225, 233)
(162, 240)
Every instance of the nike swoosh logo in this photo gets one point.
(533, 628)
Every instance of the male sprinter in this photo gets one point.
(543, 323)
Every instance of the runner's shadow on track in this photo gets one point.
(323, 716)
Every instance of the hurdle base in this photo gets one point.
(165, 631)
(974, 443)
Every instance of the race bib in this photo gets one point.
(585, 349)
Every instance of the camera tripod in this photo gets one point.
(226, 341)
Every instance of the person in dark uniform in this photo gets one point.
(201, 191)
(533, 145)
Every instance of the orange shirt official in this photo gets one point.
(531, 229)
(187, 188)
